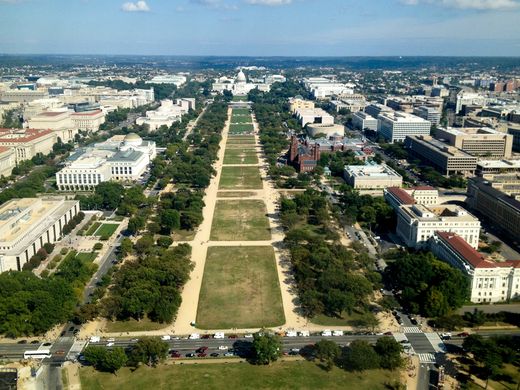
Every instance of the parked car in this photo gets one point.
(228, 354)
(463, 334)
(214, 354)
(326, 333)
(248, 336)
(190, 355)
(388, 333)
(110, 344)
(202, 355)
(202, 349)
(175, 354)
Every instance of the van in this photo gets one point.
(304, 333)
(219, 335)
(291, 333)
(337, 333)
(194, 336)
(326, 333)
(166, 338)
(95, 339)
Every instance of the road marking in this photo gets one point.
(426, 357)
(411, 329)
(436, 342)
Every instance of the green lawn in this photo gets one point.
(301, 375)
(241, 111)
(132, 326)
(240, 128)
(107, 229)
(241, 156)
(240, 220)
(240, 178)
(93, 228)
(240, 289)
(87, 256)
(241, 119)
(356, 319)
(235, 194)
(240, 139)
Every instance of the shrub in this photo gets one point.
(52, 264)
(44, 273)
(98, 246)
(57, 258)
(104, 237)
(64, 251)
(48, 247)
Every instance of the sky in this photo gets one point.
(261, 27)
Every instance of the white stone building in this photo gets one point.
(121, 158)
(26, 143)
(490, 281)
(7, 161)
(372, 176)
(88, 120)
(167, 113)
(27, 224)
(363, 121)
(417, 223)
(396, 126)
(314, 116)
(59, 122)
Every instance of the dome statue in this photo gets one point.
(132, 139)
(241, 77)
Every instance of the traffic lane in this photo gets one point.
(17, 350)
(420, 343)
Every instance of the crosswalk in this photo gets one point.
(411, 329)
(426, 357)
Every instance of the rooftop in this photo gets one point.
(22, 135)
(371, 170)
(401, 117)
(464, 250)
(445, 149)
(402, 196)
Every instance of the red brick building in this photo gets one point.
(302, 156)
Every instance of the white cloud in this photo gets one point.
(270, 3)
(138, 6)
(469, 4)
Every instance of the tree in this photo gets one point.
(103, 359)
(170, 220)
(389, 351)
(327, 352)
(149, 350)
(164, 241)
(360, 356)
(267, 347)
(126, 247)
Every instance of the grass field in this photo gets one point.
(243, 146)
(132, 326)
(107, 229)
(241, 156)
(240, 220)
(240, 289)
(300, 375)
(93, 228)
(239, 140)
(241, 111)
(356, 319)
(87, 256)
(240, 178)
(183, 235)
(240, 128)
(241, 119)
(235, 194)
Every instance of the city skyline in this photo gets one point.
(261, 27)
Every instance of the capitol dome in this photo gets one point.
(132, 139)
(241, 77)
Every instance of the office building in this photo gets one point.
(322, 87)
(22, 95)
(7, 161)
(431, 114)
(515, 133)
(314, 116)
(88, 120)
(121, 158)
(374, 109)
(446, 159)
(490, 281)
(501, 209)
(353, 103)
(465, 98)
(489, 168)
(166, 114)
(372, 176)
(425, 195)
(59, 122)
(27, 143)
(417, 223)
(27, 224)
(396, 126)
(176, 79)
(298, 103)
(363, 121)
(482, 141)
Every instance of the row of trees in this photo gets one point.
(325, 272)
(149, 286)
(426, 285)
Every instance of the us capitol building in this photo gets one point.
(239, 86)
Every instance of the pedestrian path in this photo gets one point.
(426, 357)
(411, 329)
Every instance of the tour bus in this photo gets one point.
(39, 354)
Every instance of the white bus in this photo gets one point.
(39, 354)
